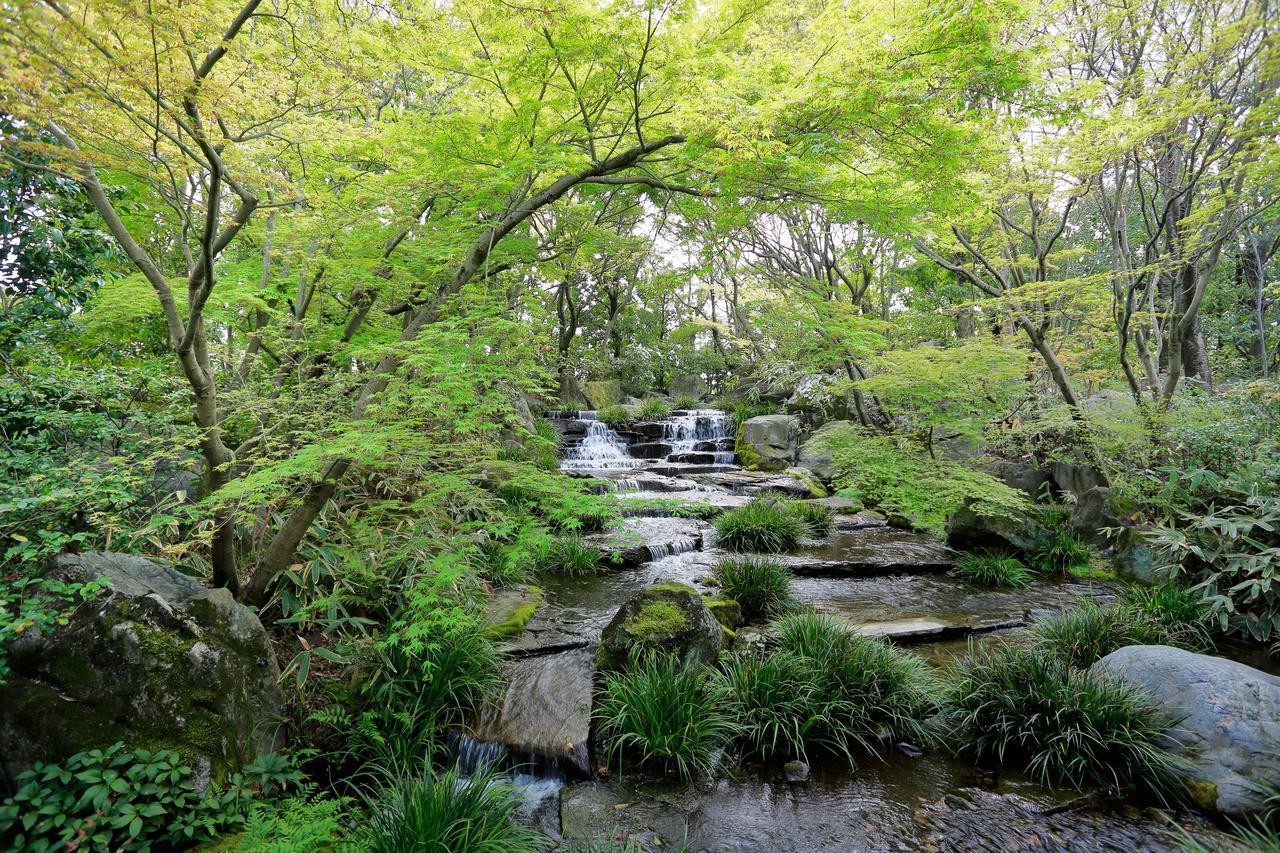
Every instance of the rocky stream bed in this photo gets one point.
(881, 580)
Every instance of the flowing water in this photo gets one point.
(881, 581)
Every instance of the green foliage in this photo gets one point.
(776, 701)
(653, 409)
(818, 518)
(294, 825)
(1067, 727)
(1166, 615)
(686, 404)
(448, 813)
(663, 714)
(37, 604)
(1231, 553)
(1057, 548)
(761, 586)
(869, 694)
(745, 410)
(115, 798)
(764, 526)
(616, 415)
(879, 472)
(569, 555)
(989, 568)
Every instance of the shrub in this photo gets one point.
(664, 714)
(447, 813)
(764, 526)
(1177, 615)
(654, 409)
(686, 403)
(615, 415)
(870, 692)
(990, 568)
(1066, 726)
(761, 586)
(569, 555)
(293, 825)
(113, 798)
(1058, 548)
(817, 517)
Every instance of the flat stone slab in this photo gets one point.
(639, 539)
(740, 482)
(508, 609)
(704, 503)
(871, 549)
(545, 710)
(922, 629)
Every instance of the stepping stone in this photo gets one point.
(545, 710)
(923, 628)
(509, 609)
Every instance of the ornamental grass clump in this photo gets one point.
(760, 585)
(686, 404)
(777, 702)
(653, 409)
(1059, 548)
(663, 714)
(569, 555)
(762, 526)
(1066, 726)
(817, 518)
(990, 568)
(868, 692)
(449, 812)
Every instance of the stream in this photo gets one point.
(882, 581)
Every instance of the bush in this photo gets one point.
(870, 693)
(294, 825)
(764, 526)
(1164, 615)
(1066, 726)
(113, 798)
(615, 415)
(990, 568)
(686, 404)
(654, 409)
(817, 517)
(761, 586)
(449, 813)
(664, 714)
(1058, 549)
(569, 555)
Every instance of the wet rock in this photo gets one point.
(508, 610)
(814, 454)
(603, 393)
(1228, 718)
(626, 815)
(640, 539)
(873, 550)
(768, 442)
(756, 482)
(796, 771)
(727, 611)
(813, 486)
(545, 710)
(668, 617)
(158, 659)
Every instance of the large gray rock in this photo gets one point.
(1077, 479)
(1023, 476)
(687, 385)
(603, 393)
(814, 453)
(158, 660)
(969, 529)
(1227, 719)
(545, 710)
(768, 442)
(667, 617)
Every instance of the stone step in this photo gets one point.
(678, 470)
(650, 450)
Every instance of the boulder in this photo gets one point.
(1076, 479)
(668, 617)
(969, 529)
(687, 385)
(810, 481)
(814, 454)
(768, 442)
(571, 396)
(813, 397)
(602, 393)
(1226, 719)
(157, 660)
(1022, 476)
(1100, 508)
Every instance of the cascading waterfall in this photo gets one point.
(601, 449)
(535, 780)
(669, 549)
(684, 431)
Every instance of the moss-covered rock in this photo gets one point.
(768, 442)
(727, 611)
(158, 661)
(667, 617)
(509, 609)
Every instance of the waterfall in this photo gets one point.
(684, 431)
(669, 549)
(601, 449)
(536, 780)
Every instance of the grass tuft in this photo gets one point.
(989, 568)
(1066, 726)
(569, 555)
(664, 714)
(686, 403)
(616, 415)
(817, 517)
(762, 526)
(655, 408)
(761, 586)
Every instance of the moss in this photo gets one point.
(519, 615)
(656, 620)
(748, 457)
(161, 645)
(1095, 570)
(1203, 793)
(673, 586)
(727, 611)
(812, 483)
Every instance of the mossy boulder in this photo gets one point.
(509, 609)
(727, 611)
(158, 661)
(768, 442)
(602, 393)
(666, 617)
